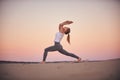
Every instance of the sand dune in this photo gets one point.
(102, 70)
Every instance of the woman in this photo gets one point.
(57, 46)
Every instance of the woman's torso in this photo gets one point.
(58, 37)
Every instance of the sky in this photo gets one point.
(27, 27)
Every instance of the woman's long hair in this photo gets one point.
(68, 35)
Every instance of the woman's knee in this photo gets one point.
(46, 49)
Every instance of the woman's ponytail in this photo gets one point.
(68, 38)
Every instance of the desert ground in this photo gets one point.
(87, 70)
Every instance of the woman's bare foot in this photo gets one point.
(79, 60)
(43, 62)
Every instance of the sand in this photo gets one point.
(102, 70)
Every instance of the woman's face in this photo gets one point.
(65, 29)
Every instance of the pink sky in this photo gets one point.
(28, 26)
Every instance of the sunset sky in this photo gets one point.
(27, 27)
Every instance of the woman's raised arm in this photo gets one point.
(61, 29)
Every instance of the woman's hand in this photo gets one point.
(67, 22)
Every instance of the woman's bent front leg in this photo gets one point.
(51, 48)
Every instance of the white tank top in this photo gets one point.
(58, 36)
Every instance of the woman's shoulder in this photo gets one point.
(59, 33)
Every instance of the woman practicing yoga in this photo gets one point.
(57, 46)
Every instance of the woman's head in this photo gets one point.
(66, 30)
